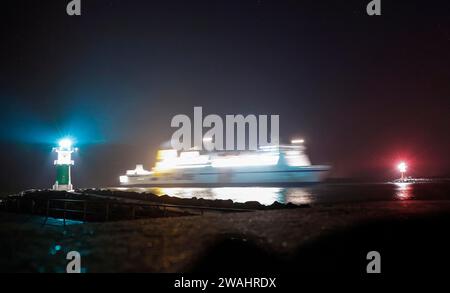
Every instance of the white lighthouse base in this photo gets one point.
(66, 187)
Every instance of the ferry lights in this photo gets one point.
(297, 141)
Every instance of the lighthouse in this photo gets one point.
(63, 163)
(402, 168)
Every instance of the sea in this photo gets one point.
(324, 193)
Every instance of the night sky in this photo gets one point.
(364, 92)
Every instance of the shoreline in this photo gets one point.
(195, 243)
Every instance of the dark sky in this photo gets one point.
(363, 91)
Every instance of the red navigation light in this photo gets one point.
(402, 167)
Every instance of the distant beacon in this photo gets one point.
(63, 163)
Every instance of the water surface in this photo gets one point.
(321, 193)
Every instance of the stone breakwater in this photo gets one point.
(91, 205)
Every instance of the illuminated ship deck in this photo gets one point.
(268, 166)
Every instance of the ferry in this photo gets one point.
(267, 166)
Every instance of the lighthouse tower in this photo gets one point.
(63, 163)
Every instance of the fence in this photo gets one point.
(103, 210)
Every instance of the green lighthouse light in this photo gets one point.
(65, 143)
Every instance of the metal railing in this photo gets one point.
(101, 210)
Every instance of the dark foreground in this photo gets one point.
(410, 236)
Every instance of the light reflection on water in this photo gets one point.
(263, 195)
(321, 193)
(403, 191)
